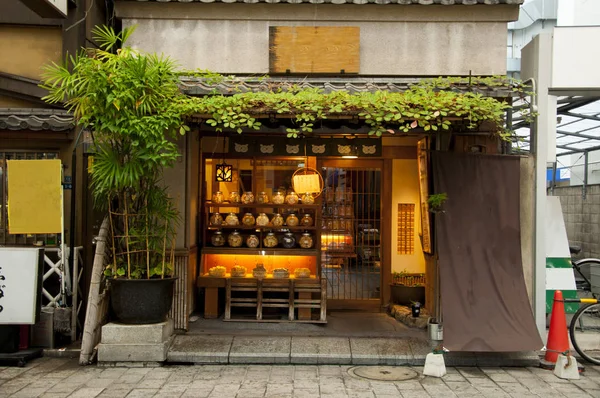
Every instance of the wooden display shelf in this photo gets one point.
(286, 296)
(334, 254)
(261, 228)
(258, 251)
(263, 206)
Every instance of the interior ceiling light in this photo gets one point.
(224, 170)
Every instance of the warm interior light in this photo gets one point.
(350, 157)
(250, 260)
(224, 172)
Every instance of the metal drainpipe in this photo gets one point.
(72, 221)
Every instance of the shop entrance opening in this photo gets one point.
(351, 230)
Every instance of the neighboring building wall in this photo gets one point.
(394, 39)
(578, 13)
(25, 49)
(582, 217)
(578, 171)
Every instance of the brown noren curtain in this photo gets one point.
(484, 300)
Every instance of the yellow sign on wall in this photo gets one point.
(34, 196)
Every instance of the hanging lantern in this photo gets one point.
(224, 172)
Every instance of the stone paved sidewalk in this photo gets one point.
(55, 377)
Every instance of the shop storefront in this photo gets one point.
(269, 253)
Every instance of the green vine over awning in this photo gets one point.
(128, 90)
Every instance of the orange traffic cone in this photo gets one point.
(558, 336)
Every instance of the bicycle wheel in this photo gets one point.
(585, 332)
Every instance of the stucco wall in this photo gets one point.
(411, 40)
(25, 49)
(175, 179)
(405, 189)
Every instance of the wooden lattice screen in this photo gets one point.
(406, 228)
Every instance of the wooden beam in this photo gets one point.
(22, 88)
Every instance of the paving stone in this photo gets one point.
(471, 372)
(196, 393)
(585, 383)
(86, 392)
(502, 377)
(513, 388)
(276, 389)
(274, 350)
(572, 391)
(380, 351)
(29, 392)
(306, 393)
(115, 392)
(360, 394)
(453, 377)
(200, 349)
(320, 350)
(492, 392)
(142, 392)
(460, 387)
(415, 394)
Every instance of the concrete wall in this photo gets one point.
(25, 49)
(574, 63)
(398, 40)
(582, 217)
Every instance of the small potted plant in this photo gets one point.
(407, 288)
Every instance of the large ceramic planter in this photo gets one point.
(405, 295)
(141, 301)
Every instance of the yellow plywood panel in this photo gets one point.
(34, 196)
(314, 49)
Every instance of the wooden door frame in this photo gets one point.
(385, 165)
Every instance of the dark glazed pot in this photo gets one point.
(141, 301)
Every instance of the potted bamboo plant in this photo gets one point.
(131, 104)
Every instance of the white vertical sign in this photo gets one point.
(20, 281)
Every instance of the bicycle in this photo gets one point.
(584, 328)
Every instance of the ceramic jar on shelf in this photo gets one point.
(340, 194)
(234, 197)
(234, 239)
(278, 198)
(262, 198)
(292, 220)
(306, 221)
(248, 198)
(308, 199)
(262, 220)
(217, 197)
(252, 241)
(232, 219)
(216, 219)
(291, 198)
(329, 195)
(248, 220)
(270, 240)
(277, 220)
(217, 239)
(306, 241)
(349, 194)
(288, 240)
